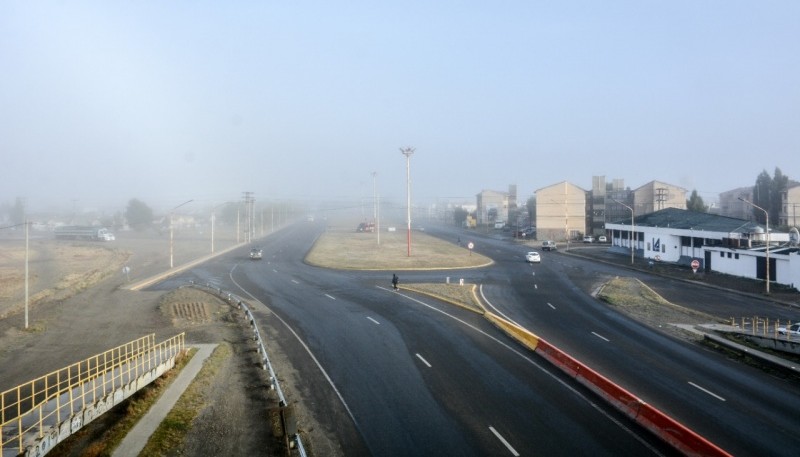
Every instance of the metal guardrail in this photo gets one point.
(265, 363)
(38, 414)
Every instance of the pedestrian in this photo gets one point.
(395, 280)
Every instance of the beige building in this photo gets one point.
(560, 212)
(790, 206)
(492, 207)
(656, 195)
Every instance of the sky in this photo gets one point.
(102, 102)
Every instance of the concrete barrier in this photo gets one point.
(666, 428)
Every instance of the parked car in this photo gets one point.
(549, 245)
(793, 329)
(588, 239)
(533, 257)
(602, 239)
(255, 254)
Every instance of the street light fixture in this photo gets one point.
(633, 227)
(407, 152)
(766, 219)
(171, 232)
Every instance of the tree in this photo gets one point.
(695, 203)
(767, 194)
(138, 214)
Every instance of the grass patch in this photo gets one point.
(361, 251)
(169, 436)
(463, 296)
(632, 294)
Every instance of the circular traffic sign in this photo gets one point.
(470, 245)
(695, 264)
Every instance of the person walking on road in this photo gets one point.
(395, 280)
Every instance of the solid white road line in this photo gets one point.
(550, 305)
(330, 297)
(480, 289)
(503, 440)
(373, 320)
(423, 360)
(706, 391)
(601, 337)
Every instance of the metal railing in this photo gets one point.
(42, 412)
(293, 436)
(762, 326)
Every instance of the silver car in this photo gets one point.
(793, 329)
(533, 257)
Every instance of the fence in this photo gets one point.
(762, 326)
(37, 415)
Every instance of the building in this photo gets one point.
(717, 243)
(492, 207)
(561, 212)
(790, 206)
(657, 195)
(730, 204)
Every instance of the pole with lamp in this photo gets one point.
(375, 206)
(766, 219)
(408, 152)
(633, 227)
(171, 232)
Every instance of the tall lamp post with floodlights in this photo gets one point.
(632, 227)
(171, 232)
(407, 152)
(766, 219)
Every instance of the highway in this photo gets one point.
(394, 373)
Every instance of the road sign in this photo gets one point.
(695, 265)
(470, 245)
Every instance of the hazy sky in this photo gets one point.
(101, 102)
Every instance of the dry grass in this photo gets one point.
(634, 298)
(361, 251)
(463, 296)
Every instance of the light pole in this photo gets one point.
(171, 232)
(633, 227)
(407, 152)
(375, 205)
(766, 219)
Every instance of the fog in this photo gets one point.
(102, 102)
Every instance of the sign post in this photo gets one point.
(470, 246)
(695, 265)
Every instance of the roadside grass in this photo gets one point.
(463, 296)
(348, 250)
(635, 298)
(170, 434)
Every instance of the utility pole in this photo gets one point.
(408, 152)
(375, 206)
(248, 211)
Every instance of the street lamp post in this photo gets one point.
(375, 206)
(407, 152)
(171, 232)
(766, 219)
(633, 227)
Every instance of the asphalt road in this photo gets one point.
(397, 374)
(740, 408)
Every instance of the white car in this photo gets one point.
(602, 239)
(793, 329)
(533, 257)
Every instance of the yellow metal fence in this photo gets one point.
(62, 401)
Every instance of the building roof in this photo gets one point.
(687, 220)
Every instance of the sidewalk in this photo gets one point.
(137, 438)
